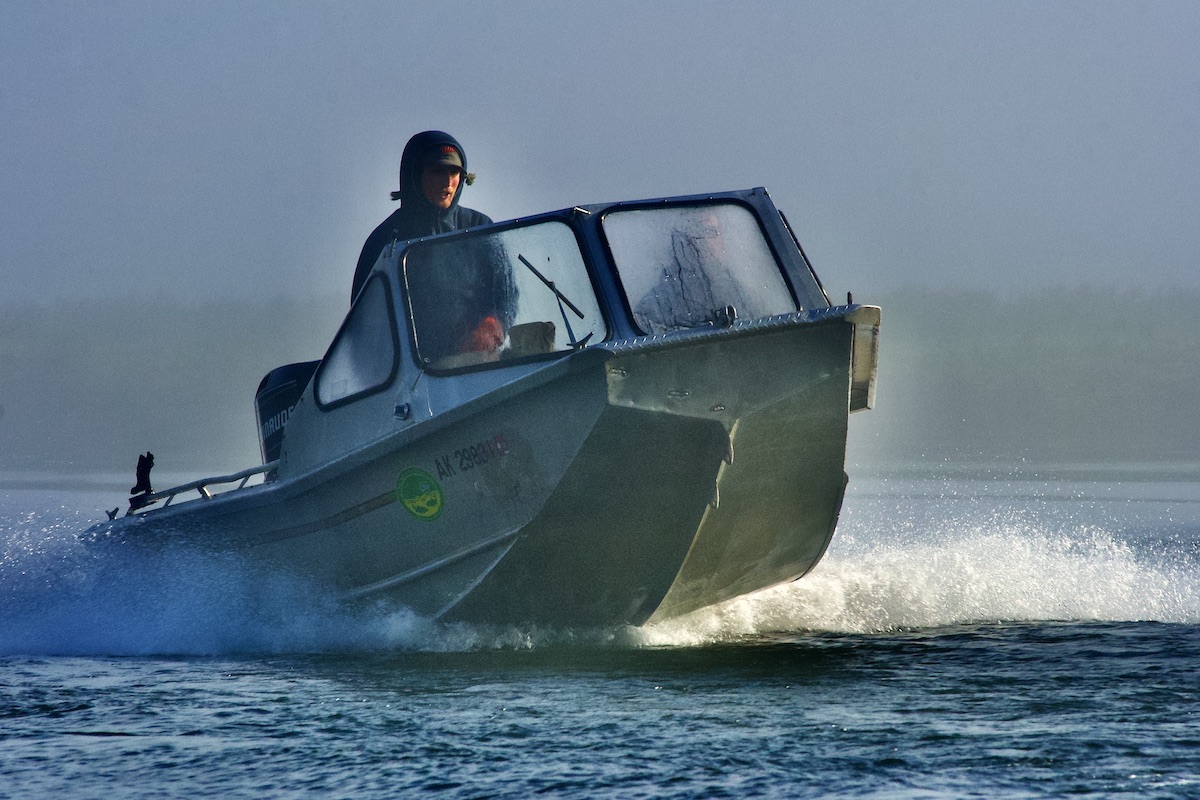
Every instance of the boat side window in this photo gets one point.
(483, 298)
(364, 356)
(681, 266)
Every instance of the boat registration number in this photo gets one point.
(465, 459)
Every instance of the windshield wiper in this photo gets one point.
(562, 300)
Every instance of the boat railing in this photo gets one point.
(203, 487)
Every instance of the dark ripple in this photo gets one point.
(1029, 710)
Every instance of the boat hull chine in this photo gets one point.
(783, 398)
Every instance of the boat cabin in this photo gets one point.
(450, 318)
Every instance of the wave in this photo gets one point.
(60, 596)
(1009, 573)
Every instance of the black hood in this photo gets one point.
(416, 217)
(411, 161)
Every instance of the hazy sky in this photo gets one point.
(174, 149)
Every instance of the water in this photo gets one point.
(970, 634)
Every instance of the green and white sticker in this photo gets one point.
(420, 493)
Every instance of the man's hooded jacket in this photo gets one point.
(416, 217)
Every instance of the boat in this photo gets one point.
(608, 414)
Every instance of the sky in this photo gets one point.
(241, 150)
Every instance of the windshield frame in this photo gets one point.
(347, 329)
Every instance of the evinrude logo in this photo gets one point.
(276, 422)
(420, 493)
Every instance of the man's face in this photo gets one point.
(439, 184)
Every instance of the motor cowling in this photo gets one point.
(277, 395)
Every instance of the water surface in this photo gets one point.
(971, 633)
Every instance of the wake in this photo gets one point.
(62, 596)
(1009, 573)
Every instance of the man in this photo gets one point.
(433, 171)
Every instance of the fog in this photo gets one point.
(186, 191)
(965, 377)
(1035, 378)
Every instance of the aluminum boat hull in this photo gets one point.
(617, 485)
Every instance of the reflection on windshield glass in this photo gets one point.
(681, 266)
(481, 298)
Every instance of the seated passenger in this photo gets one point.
(464, 298)
(486, 337)
(433, 171)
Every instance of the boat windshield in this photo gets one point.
(682, 266)
(490, 297)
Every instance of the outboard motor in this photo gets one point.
(277, 395)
